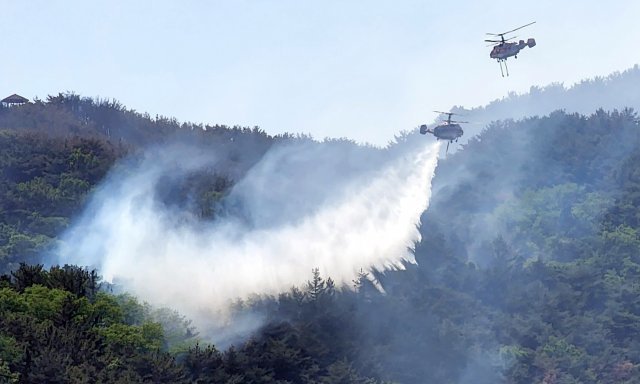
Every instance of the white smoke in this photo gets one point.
(329, 218)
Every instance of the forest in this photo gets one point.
(527, 272)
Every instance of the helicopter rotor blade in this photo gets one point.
(448, 113)
(513, 30)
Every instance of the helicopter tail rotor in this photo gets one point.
(531, 43)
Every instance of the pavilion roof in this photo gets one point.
(14, 99)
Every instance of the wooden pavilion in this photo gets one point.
(14, 100)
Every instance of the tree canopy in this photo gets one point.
(527, 270)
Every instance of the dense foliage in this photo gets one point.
(545, 208)
(527, 272)
(52, 153)
(42, 186)
(57, 326)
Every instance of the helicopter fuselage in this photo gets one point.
(504, 50)
(448, 132)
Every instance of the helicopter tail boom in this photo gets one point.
(424, 130)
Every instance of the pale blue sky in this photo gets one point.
(359, 69)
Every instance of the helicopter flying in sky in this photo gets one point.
(503, 48)
(449, 130)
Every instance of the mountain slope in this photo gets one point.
(527, 269)
(615, 91)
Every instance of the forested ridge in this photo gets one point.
(55, 151)
(528, 269)
(616, 90)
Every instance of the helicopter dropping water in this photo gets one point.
(503, 48)
(449, 130)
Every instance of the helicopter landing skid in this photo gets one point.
(505, 67)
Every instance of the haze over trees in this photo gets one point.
(615, 91)
(527, 271)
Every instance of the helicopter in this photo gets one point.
(503, 49)
(449, 130)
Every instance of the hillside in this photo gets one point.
(55, 151)
(527, 270)
(615, 91)
(68, 114)
(529, 252)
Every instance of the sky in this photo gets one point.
(365, 70)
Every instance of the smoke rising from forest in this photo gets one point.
(340, 208)
(615, 91)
